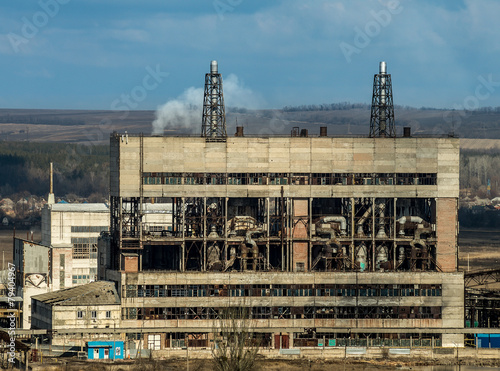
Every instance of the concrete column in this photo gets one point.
(183, 245)
(374, 247)
(395, 245)
(267, 234)
(204, 258)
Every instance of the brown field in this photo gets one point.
(92, 127)
(479, 249)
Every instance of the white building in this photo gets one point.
(71, 230)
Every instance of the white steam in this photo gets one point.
(185, 111)
(180, 113)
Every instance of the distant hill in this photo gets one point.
(80, 126)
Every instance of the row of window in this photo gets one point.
(82, 314)
(84, 251)
(89, 229)
(308, 312)
(133, 291)
(290, 178)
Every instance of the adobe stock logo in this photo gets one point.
(484, 90)
(30, 28)
(372, 29)
(225, 6)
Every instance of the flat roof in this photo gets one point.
(80, 208)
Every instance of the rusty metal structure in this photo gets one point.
(482, 303)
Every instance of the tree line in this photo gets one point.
(84, 170)
(476, 167)
(78, 169)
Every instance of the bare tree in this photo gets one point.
(234, 348)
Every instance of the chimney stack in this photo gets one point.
(51, 199)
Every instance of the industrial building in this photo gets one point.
(312, 235)
(32, 265)
(67, 254)
(91, 306)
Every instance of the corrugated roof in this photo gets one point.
(93, 208)
(95, 293)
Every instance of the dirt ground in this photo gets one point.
(479, 249)
(262, 365)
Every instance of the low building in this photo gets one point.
(94, 305)
(105, 349)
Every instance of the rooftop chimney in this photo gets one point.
(382, 113)
(213, 125)
(51, 199)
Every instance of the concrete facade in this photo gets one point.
(306, 233)
(71, 230)
(32, 264)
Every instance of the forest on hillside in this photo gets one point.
(476, 168)
(81, 170)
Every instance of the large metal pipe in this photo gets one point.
(362, 220)
(381, 221)
(383, 68)
(401, 256)
(51, 178)
(333, 218)
(255, 248)
(404, 219)
(383, 99)
(213, 113)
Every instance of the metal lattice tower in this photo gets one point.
(214, 115)
(382, 114)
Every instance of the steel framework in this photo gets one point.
(214, 115)
(382, 112)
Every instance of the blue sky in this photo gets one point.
(88, 54)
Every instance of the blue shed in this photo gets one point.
(105, 349)
(488, 340)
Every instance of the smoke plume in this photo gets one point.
(184, 113)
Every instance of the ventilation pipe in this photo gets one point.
(401, 256)
(255, 248)
(381, 221)
(404, 219)
(362, 221)
(51, 198)
(329, 219)
(232, 258)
